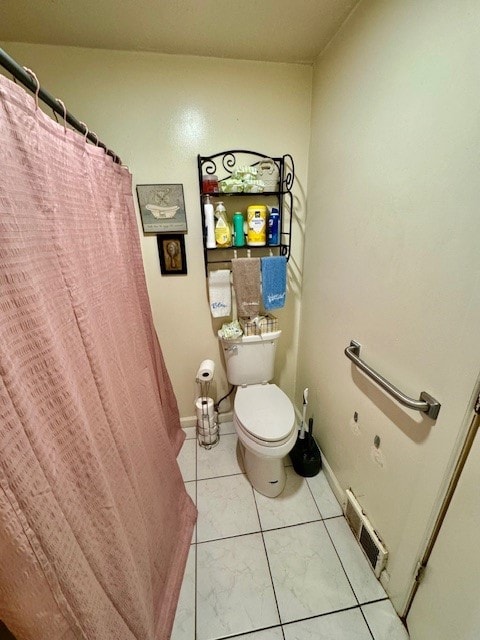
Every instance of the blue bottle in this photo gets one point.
(273, 227)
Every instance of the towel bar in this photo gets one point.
(426, 404)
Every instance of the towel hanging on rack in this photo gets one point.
(274, 281)
(246, 282)
(220, 293)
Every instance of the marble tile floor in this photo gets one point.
(259, 568)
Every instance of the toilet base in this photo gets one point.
(266, 475)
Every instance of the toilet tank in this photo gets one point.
(250, 359)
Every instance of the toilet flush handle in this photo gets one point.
(232, 349)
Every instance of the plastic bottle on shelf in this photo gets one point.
(238, 233)
(273, 227)
(209, 223)
(209, 184)
(257, 225)
(223, 231)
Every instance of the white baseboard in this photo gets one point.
(191, 421)
(188, 421)
(335, 485)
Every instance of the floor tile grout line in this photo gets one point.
(374, 601)
(313, 497)
(225, 475)
(364, 616)
(336, 552)
(195, 598)
(316, 504)
(259, 531)
(237, 535)
(366, 622)
(217, 539)
(262, 530)
(340, 560)
(248, 533)
(305, 619)
(335, 548)
(344, 570)
(324, 615)
(340, 515)
(268, 564)
(242, 633)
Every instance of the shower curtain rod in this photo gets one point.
(28, 81)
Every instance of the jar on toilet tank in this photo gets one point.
(257, 225)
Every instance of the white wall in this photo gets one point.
(392, 255)
(158, 112)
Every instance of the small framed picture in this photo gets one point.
(162, 208)
(171, 250)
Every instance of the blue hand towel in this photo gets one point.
(274, 281)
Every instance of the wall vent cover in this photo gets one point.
(367, 537)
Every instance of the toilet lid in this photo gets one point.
(264, 411)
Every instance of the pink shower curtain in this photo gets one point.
(95, 523)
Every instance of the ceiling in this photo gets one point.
(271, 30)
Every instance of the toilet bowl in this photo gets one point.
(264, 420)
(263, 415)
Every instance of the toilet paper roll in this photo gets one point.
(208, 438)
(205, 371)
(208, 430)
(205, 423)
(205, 410)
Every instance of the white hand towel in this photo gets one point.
(219, 293)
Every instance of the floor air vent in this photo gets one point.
(365, 534)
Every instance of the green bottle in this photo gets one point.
(238, 234)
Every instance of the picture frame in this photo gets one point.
(162, 208)
(171, 251)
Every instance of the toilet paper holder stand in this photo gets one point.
(208, 433)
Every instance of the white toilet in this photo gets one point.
(263, 415)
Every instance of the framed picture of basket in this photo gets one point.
(171, 251)
(162, 208)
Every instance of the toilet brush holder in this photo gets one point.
(305, 455)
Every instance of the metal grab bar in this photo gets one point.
(427, 403)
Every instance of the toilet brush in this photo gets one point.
(310, 440)
(305, 455)
(302, 426)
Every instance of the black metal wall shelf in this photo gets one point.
(223, 165)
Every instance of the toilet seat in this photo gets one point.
(264, 413)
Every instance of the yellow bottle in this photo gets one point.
(223, 230)
(257, 225)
